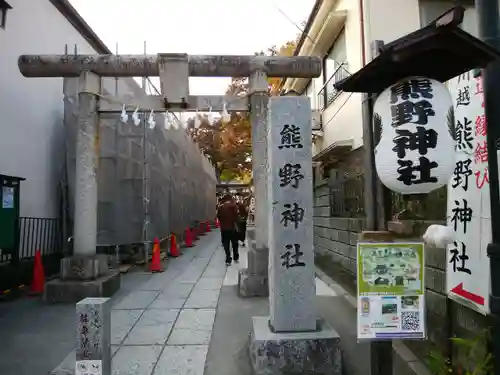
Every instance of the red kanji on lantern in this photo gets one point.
(481, 125)
(482, 178)
(481, 153)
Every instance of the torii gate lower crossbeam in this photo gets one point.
(174, 71)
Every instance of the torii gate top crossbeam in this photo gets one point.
(147, 65)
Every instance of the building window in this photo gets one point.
(334, 70)
(4, 8)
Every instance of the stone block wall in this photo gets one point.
(335, 253)
(335, 239)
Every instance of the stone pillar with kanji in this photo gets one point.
(291, 271)
(292, 334)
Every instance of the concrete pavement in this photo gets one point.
(227, 354)
(38, 336)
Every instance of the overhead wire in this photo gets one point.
(153, 86)
(306, 35)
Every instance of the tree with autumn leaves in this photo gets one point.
(229, 145)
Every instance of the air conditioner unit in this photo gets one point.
(316, 120)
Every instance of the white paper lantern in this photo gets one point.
(415, 154)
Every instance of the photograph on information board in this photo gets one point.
(391, 287)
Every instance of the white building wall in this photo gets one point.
(384, 20)
(342, 119)
(31, 109)
(388, 20)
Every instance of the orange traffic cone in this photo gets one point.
(217, 224)
(189, 238)
(38, 283)
(174, 251)
(207, 224)
(155, 259)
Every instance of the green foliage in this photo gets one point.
(474, 349)
(438, 364)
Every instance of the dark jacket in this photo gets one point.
(227, 213)
(242, 211)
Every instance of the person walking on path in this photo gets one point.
(227, 213)
(242, 219)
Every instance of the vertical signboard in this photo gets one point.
(468, 212)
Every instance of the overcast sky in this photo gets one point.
(195, 27)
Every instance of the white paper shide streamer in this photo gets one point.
(415, 154)
(136, 118)
(173, 121)
(226, 117)
(151, 120)
(166, 124)
(197, 121)
(210, 116)
(124, 115)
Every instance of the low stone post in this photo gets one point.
(292, 340)
(93, 332)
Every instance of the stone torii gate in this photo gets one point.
(87, 271)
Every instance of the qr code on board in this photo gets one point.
(410, 320)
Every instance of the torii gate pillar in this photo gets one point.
(253, 281)
(174, 71)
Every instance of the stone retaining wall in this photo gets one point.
(335, 250)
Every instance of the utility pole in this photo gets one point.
(489, 32)
(378, 211)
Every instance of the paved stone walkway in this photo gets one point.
(231, 278)
(163, 326)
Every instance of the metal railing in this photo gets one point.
(16, 265)
(39, 234)
(346, 197)
(328, 92)
(430, 206)
(347, 200)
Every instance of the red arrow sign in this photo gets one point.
(460, 291)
